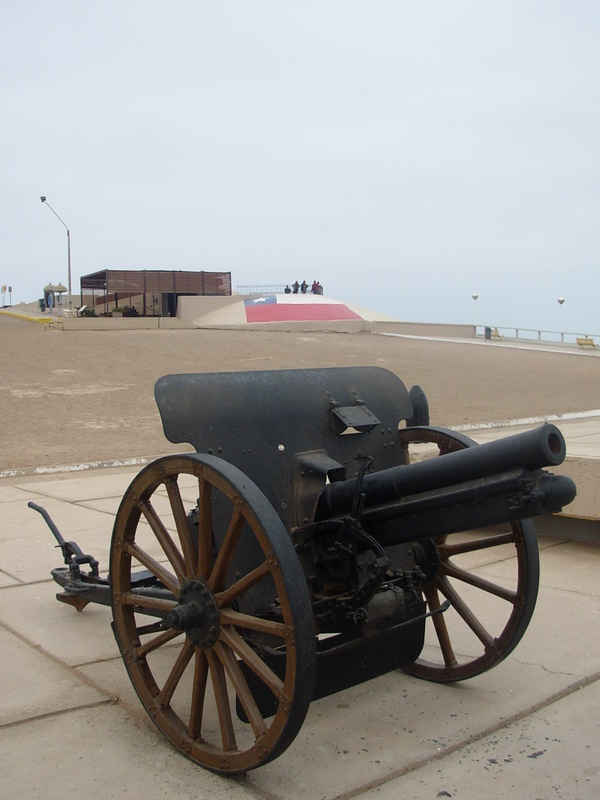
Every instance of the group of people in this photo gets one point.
(303, 288)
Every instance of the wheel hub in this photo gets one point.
(196, 613)
(427, 558)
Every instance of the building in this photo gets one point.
(150, 292)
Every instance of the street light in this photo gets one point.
(561, 300)
(475, 296)
(43, 199)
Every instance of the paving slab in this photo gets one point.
(28, 549)
(30, 556)
(39, 686)
(352, 742)
(84, 753)
(572, 566)
(7, 579)
(111, 676)
(561, 636)
(13, 493)
(70, 518)
(91, 486)
(371, 732)
(551, 754)
(57, 629)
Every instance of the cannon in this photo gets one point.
(322, 534)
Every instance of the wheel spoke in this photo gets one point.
(183, 659)
(230, 542)
(439, 624)
(205, 529)
(251, 658)
(230, 617)
(226, 597)
(164, 539)
(447, 550)
(452, 571)
(163, 638)
(164, 576)
(219, 683)
(143, 602)
(242, 689)
(198, 695)
(181, 523)
(465, 612)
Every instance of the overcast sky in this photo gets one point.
(405, 154)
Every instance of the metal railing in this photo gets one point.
(532, 335)
(252, 288)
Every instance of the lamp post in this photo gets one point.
(561, 300)
(475, 296)
(43, 199)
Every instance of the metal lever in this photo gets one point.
(73, 555)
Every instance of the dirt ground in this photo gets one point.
(73, 397)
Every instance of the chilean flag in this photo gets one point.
(300, 307)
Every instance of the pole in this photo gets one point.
(561, 301)
(70, 299)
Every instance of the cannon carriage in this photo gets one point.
(322, 534)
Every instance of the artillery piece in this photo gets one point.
(302, 550)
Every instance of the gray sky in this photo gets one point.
(405, 154)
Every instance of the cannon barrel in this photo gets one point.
(531, 450)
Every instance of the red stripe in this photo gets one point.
(286, 312)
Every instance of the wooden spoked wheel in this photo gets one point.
(489, 577)
(221, 593)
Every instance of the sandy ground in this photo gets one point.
(71, 397)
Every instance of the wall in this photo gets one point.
(426, 329)
(122, 323)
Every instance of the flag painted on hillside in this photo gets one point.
(299, 307)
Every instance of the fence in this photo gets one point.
(268, 288)
(532, 335)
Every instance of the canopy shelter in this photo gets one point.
(53, 293)
(150, 292)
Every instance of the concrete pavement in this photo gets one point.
(69, 719)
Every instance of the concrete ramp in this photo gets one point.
(276, 310)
